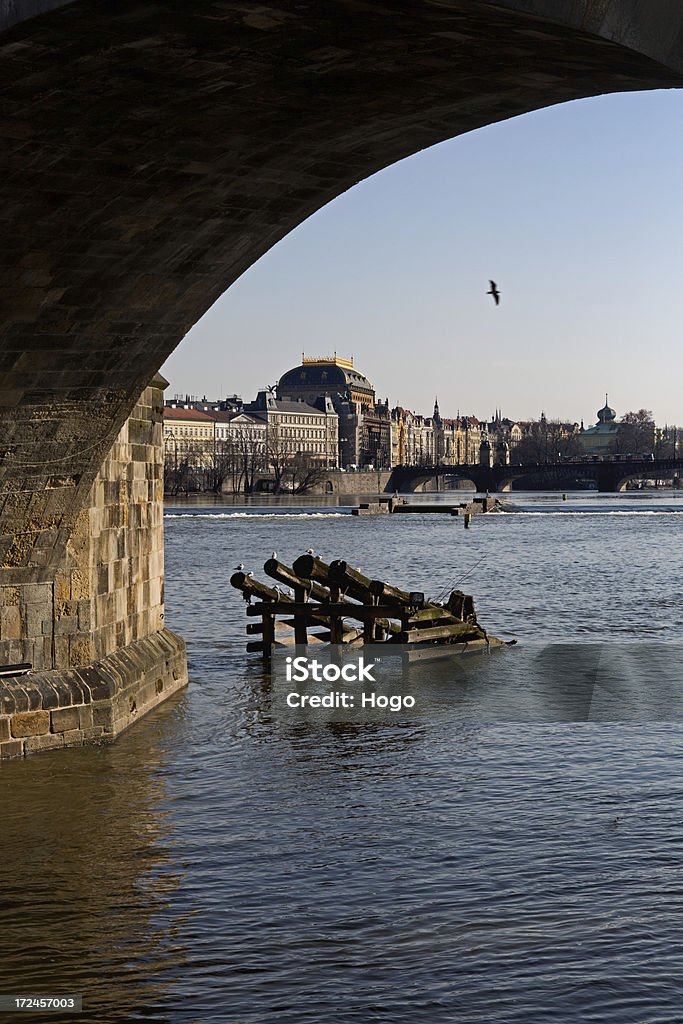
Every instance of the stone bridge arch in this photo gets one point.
(151, 153)
(415, 483)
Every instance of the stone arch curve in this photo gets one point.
(151, 153)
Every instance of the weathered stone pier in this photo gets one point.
(94, 633)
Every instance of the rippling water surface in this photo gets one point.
(219, 863)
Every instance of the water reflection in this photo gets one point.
(88, 875)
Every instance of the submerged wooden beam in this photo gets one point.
(431, 614)
(279, 571)
(323, 611)
(457, 630)
(248, 585)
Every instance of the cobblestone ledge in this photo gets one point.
(48, 710)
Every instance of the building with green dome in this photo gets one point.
(599, 440)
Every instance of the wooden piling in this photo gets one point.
(325, 595)
(300, 616)
(308, 567)
(283, 574)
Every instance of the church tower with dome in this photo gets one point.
(598, 440)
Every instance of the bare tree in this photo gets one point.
(306, 471)
(547, 441)
(636, 433)
(279, 455)
(187, 469)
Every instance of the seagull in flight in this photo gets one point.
(238, 568)
(494, 292)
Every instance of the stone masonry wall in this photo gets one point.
(95, 636)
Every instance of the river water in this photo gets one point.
(491, 857)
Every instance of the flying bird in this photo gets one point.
(238, 568)
(494, 292)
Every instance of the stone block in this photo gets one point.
(80, 651)
(35, 620)
(30, 723)
(80, 586)
(74, 738)
(34, 695)
(65, 719)
(40, 593)
(103, 717)
(50, 741)
(50, 696)
(15, 651)
(93, 735)
(61, 651)
(4, 730)
(14, 748)
(65, 625)
(62, 587)
(15, 699)
(65, 609)
(84, 616)
(47, 652)
(85, 716)
(10, 622)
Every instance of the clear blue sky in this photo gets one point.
(575, 211)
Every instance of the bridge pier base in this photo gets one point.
(92, 628)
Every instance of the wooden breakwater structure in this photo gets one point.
(335, 603)
(399, 506)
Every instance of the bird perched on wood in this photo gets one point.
(310, 551)
(494, 292)
(274, 554)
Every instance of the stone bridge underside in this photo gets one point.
(151, 152)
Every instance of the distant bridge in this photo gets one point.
(608, 475)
